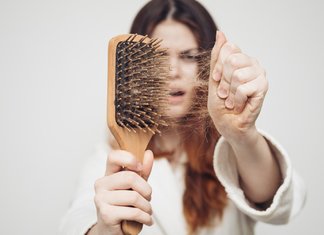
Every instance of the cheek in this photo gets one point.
(190, 95)
(190, 71)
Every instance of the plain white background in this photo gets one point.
(53, 69)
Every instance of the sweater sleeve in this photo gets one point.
(287, 201)
(82, 215)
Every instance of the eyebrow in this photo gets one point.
(196, 49)
(189, 51)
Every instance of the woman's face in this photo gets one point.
(182, 46)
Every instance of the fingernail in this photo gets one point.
(229, 103)
(216, 35)
(217, 76)
(222, 93)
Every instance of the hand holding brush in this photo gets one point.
(137, 93)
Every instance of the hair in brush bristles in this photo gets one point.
(141, 84)
(197, 115)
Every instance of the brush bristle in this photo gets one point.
(141, 84)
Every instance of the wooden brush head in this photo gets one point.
(137, 83)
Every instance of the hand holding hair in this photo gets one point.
(237, 87)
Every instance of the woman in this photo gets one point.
(220, 178)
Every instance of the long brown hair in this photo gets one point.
(204, 198)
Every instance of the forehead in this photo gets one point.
(175, 35)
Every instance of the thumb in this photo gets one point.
(147, 164)
(215, 64)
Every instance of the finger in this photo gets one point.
(226, 51)
(240, 98)
(229, 102)
(239, 77)
(124, 180)
(244, 75)
(147, 164)
(233, 62)
(119, 159)
(255, 89)
(124, 198)
(223, 88)
(135, 214)
(215, 66)
(113, 215)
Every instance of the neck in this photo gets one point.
(170, 143)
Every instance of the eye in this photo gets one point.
(187, 57)
(191, 55)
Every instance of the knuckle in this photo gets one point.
(224, 84)
(149, 191)
(240, 90)
(130, 160)
(136, 213)
(132, 176)
(123, 174)
(97, 184)
(232, 60)
(237, 76)
(218, 68)
(150, 210)
(111, 157)
(242, 123)
(147, 219)
(106, 216)
(134, 198)
(150, 222)
(97, 200)
(231, 46)
(129, 176)
(264, 82)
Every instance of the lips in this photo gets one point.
(177, 93)
(176, 96)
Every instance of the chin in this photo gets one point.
(176, 112)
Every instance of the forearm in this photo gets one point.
(258, 169)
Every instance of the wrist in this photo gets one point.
(245, 138)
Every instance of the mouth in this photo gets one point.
(176, 96)
(177, 93)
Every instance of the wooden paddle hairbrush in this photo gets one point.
(137, 95)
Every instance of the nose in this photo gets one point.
(174, 69)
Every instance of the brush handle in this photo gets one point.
(137, 147)
(131, 227)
